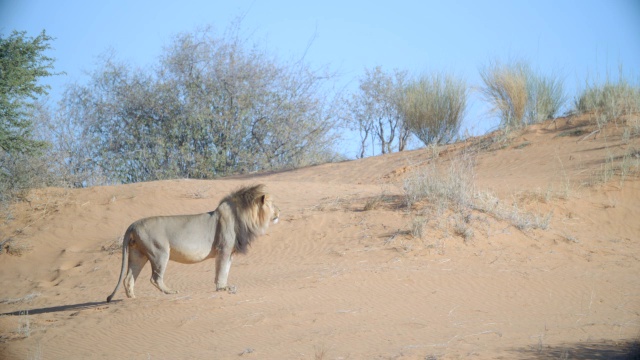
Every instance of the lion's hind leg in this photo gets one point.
(159, 265)
(137, 260)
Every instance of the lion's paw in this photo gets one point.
(231, 289)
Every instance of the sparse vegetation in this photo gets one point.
(488, 203)
(216, 105)
(616, 102)
(452, 187)
(452, 191)
(630, 164)
(623, 166)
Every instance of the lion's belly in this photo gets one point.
(190, 253)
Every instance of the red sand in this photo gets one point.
(333, 281)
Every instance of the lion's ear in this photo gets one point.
(265, 199)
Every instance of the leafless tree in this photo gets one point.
(375, 111)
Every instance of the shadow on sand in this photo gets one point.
(609, 350)
(54, 309)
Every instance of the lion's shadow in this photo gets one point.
(55, 309)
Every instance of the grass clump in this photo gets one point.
(450, 188)
(520, 96)
(609, 100)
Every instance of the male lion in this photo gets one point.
(188, 239)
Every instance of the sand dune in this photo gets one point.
(342, 276)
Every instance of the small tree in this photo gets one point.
(22, 64)
(433, 107)
(213, 106)
(375, 110)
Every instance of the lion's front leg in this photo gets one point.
(223, 264)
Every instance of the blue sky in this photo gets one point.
(577, 39)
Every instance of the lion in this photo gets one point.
(230, 228)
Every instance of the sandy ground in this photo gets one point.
(342, 276)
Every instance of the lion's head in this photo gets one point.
(255, 210)
(271, 211)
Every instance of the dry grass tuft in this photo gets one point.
(374, 202)
(506, 90)
(520, 219)
(320, 352)
(418, 227)
(25, 298)
(449, 188)
(334, 203)
(462, 227)
(112, 246)
(450, 191)
(610, 100)
(520, 96)
(13, 247)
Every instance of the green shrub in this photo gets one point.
(433, 107)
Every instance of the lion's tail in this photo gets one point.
(125, 253)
